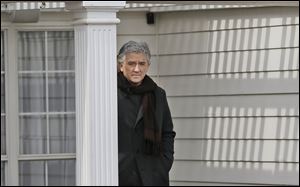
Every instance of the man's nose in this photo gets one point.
(137, 67)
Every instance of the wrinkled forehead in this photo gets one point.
(136, 56)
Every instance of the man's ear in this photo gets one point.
(121, 67)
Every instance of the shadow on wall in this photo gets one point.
(234, 96)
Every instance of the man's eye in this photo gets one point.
(131, 63)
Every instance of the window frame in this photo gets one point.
(4, 158)
(12, 113)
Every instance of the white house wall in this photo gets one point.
(231, 76)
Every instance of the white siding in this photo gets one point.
(232, 81)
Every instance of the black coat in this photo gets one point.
(136, 167)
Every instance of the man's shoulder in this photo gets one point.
(160, 91)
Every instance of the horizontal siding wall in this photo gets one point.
(232, 81)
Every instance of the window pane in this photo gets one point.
(3, 136)
(33, 135)
(31, 50)
(3, 174)
(60, 50)
(62, 134)
(61, 173)
(32, 173)
(2, 51)
(32, 93)
(61, 92)
(2, 93)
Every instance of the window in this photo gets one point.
(46, 108)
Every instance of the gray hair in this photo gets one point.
(134, 47)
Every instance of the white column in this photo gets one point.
(96, 91)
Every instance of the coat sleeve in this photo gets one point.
(168, 134)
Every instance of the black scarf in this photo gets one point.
(152, 134)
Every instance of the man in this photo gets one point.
(145, 128)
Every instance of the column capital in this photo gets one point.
(98, 5)
(95, 12)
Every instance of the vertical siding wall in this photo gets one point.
(231, 78)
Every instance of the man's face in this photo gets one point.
(135, 67)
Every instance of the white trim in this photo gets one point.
(97, 21)
(33, 157)
(4, 158)
(104, 6)
(258, 3)
(46, 173)
(47, 101)
(53, 26)
(44, 113)
(19, 27)
(49, 72)
(12, 109)
(199, 7)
